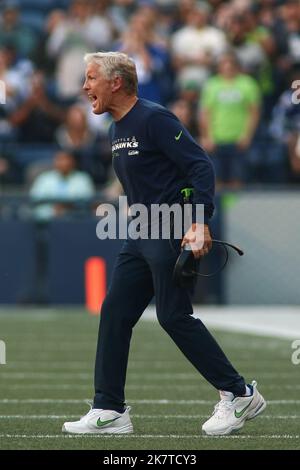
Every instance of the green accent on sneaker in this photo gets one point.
(177, 137)
(238, 414)
(103, 423)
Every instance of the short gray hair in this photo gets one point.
(116, 64)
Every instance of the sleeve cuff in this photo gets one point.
(206, 217)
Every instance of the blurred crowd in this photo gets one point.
(225, 68)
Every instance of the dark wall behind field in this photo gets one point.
(46, 265)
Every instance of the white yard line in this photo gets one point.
(133, 401)
(48, 364)
(45, 375)
(146, 436)
(193, 379)
(78, 365)
(135, 416)
(275, 321)
(72, 386)
(269, 320)
(148, 376)
(195, 387)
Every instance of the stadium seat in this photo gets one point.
(34, 20)
(25, 154)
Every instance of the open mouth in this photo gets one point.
(93, 99)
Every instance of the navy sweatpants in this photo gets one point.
(144, 268)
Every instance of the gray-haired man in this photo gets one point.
(165, 160)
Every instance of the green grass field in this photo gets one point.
(49, 374)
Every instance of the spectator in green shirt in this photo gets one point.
(230, 109)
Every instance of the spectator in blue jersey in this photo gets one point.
(165, 159)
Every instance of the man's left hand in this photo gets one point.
(199, 238)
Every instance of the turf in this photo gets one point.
(49, 374)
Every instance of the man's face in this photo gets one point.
(64, 163)
(10, 17)
(197, 18)
(98, 89)
(227, 66)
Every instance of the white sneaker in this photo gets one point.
(98, 421)
(231, 412)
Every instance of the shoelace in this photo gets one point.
(222, 408)
(90, 404)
